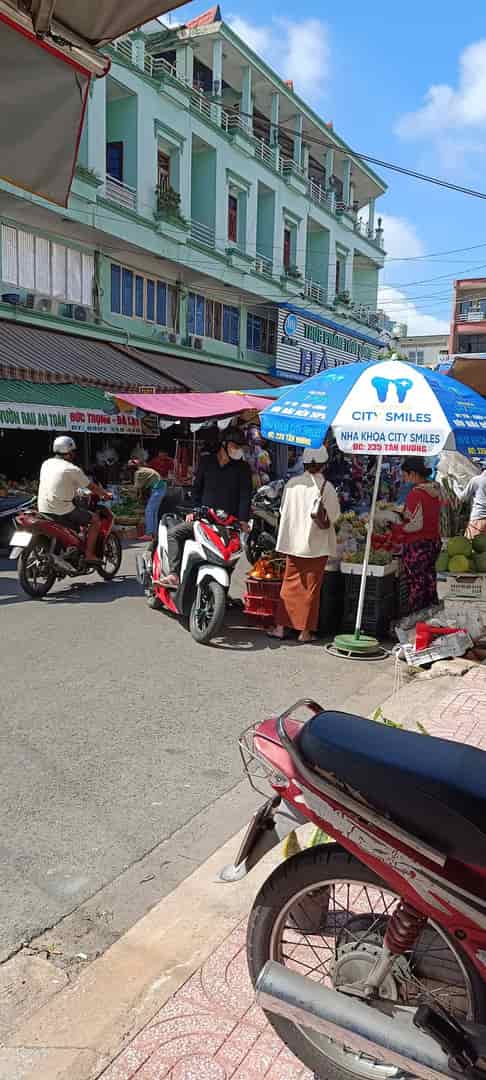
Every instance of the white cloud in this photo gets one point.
(401, 238)
(297, 50)
(452, 118)
(403, 242)
(398, 307)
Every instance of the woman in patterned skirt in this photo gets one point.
(420, 534)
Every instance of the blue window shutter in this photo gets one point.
(200, 311)
(226, 323)
(114, 160)
(127, 292)
(150, 299)
(249, 331)
(162, 303)
(115, 288)
(191, 313)
(139, 296)
(235, 326)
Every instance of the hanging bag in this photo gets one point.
(319, 513)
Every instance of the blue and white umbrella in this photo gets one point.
(385, 408)
(388, 407)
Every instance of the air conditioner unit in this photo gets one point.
(43, 304)
(13, 298)
(173, 338)
(66, 311)
(197, 343)
(81, 313)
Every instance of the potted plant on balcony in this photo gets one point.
(343, 298)
(293, 272)
(168, 204)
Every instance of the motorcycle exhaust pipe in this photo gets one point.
(351, 1022)
(63, 567)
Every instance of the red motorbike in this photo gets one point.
(48, 551)
(368, 951)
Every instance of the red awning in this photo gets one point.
(196, 406)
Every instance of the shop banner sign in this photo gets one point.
(305, 347)
(50, 418)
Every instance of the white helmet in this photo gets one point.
(63, 445)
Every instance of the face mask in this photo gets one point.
(235, 453)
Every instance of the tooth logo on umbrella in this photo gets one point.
(382, 386)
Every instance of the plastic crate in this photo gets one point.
(466, 586)
(401, 593)
(375, 586)
(378, 614)
(331, 603)
(373, 571)
(264, 587)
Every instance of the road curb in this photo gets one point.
(77, 1034)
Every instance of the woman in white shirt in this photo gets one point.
(306, 545)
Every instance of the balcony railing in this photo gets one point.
(291, 168)
(314, 291)
(124, 47)
(319, 195)
(204, 234)
(473, 312)
(201, 104)
(266, 153)
(121, 193)
(263, 265)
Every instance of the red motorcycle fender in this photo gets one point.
(271, 824)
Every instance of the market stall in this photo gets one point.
(385, 409)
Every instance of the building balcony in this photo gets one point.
(121, 193)
(315, 292)
(203, 234)
(473, 311)
(263, 265)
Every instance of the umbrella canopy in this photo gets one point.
(195, 406)
(388, 407)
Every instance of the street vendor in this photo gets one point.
(150, 489)
(420, 533)
(476, 490)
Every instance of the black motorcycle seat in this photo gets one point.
(434, 788)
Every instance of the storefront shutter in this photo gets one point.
(9, 255)
(74, 286)
(87, 279)
(26, 259)
(59, 270)
(42, 265)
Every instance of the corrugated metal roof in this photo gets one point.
(203, 376)
(65, 395)
(29, 352)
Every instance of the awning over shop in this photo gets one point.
(204, 376)
(47, 60)
(27, 352)
(195, 406)
(66, 407)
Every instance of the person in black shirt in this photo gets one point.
(223, 482)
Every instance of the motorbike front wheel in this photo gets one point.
(323, 914)
(207, 612)
(111, 557)
(35, 570)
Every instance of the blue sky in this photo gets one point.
(406, 83)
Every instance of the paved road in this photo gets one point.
(117, 730)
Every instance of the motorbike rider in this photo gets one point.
(59, 481)
(223, 482)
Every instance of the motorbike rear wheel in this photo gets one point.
(35, 570)
(111, 556)
(208, 611)
(321, 912)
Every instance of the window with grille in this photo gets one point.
(139, 297)
(163, 171)
(210, 318)
(261, 334)
(287, 248)
(46, 267)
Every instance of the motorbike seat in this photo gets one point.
(433, 788)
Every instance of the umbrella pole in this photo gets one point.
(369, 534)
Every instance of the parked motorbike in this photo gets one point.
(10, 506)
(368, 952)
(208, 562)
(265, 513)
(48, 551)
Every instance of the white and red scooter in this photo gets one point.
(208, 562)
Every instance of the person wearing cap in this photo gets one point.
(420, 533)
(306, 544)
(223, 482)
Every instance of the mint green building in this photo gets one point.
(213, 217)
